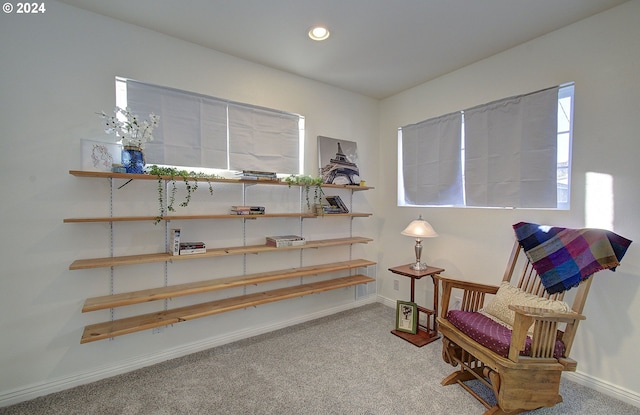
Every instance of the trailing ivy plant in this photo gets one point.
(307, 182)
(187, 177)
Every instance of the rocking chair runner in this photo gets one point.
(523, 368)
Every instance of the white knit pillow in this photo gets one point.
(507, 294)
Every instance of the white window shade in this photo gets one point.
(192, 130)
(431, 165)
(264, 140)
(511, 152)
(201, 131)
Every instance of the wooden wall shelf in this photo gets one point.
(129, 176)
(161, 293)
(169, 218)
(129, 325)
(117, 261)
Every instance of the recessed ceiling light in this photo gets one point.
(318, 33)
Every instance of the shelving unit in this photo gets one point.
(118, 327)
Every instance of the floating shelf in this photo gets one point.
(214, 252)
(161, 293)
(169, 218)
(129, 176)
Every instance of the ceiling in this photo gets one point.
(376, 48)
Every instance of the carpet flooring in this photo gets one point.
(347, 363)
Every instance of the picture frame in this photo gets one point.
(99, 155)
(407, 317)
(338, 161)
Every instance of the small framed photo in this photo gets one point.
(407, 317)
(99, 155)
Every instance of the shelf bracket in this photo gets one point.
(125, 183)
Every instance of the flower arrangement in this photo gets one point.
(131, 131)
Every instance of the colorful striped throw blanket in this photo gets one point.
(564, 257)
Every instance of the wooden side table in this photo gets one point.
(428, 332)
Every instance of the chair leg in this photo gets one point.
(450, 350)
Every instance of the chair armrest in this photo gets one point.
(472, 297)
(546, 314)
(545, 326)
(467, 285)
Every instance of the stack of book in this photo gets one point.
(327, 210)
(247, 210)
(189, 248)
(285, 240)
(336, 205)
(175, 241)
(258, 175)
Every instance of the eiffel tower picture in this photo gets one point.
(340, 168)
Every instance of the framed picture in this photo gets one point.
(338, 161)
(407, 317)
(99, 155)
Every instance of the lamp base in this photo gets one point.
(418, 266)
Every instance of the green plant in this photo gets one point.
(307, 182)
(187, 176)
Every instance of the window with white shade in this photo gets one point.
(201, 131)
(510, 153)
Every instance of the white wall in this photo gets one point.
(58, 69)
(601, 54)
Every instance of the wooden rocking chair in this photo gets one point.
(524, 374)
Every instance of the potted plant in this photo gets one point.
(132, 133)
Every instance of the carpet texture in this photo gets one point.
(347, 363)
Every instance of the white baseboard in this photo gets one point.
(387, 301)
(606, 388)
(56, 385)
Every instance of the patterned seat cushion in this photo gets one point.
(490, 334)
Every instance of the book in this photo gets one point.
(285, 240)
(336, 201)
(330, 210)
(175, 241)
(188, 248)
(251, 208)
(258, 175)
(260, 178)
(283, 243)
(247, 210)
(191, 245)
(193, 251)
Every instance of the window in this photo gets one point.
(206, 132)
(510, 153)
(565, 129)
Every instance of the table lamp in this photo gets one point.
(419, 229)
